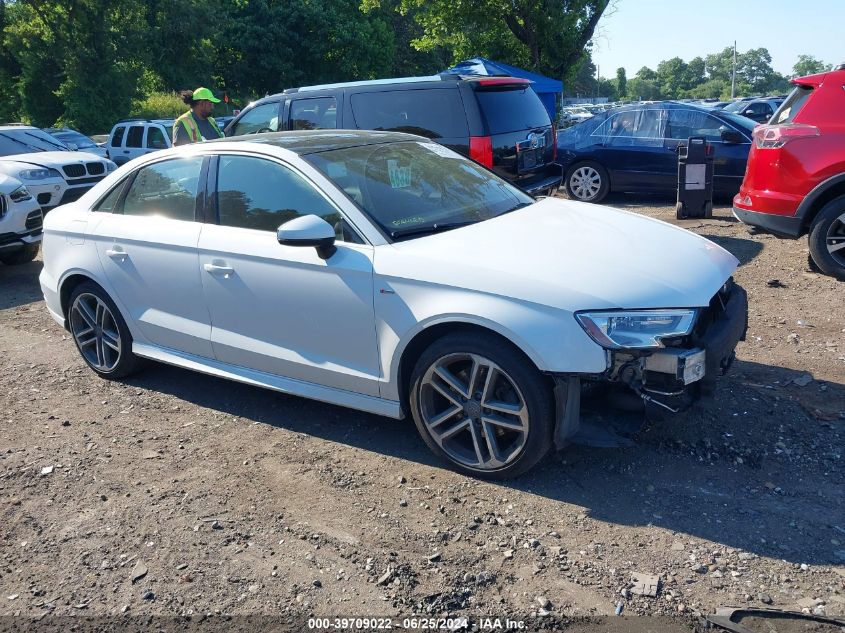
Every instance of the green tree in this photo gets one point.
(670, 77)
(644, 89)
(719, 65)
(809, 65)
(646, 73)
(548, 36)
(621, 83)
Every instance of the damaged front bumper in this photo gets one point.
(673, 377)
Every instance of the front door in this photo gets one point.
(148, 249)
(282, 309)
(633, 151)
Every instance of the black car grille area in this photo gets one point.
(3, 206)
(72, 195)
(95, 169)
(34, 220)
(44, 198)
(9, 238)
(74, 171)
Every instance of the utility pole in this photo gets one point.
(598, 79)
(733, 75)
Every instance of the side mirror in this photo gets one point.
(308, 230)
(731, 136)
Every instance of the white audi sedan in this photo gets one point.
(386, 273)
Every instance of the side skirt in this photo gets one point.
(290, 386)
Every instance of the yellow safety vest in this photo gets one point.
(192, 128)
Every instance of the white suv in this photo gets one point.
(52, 173)
(131, 138)
(20, 222)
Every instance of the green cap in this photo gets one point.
(204, 94)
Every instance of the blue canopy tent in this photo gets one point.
(546, 88)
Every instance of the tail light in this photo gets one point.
(481, 150)
(776, 136)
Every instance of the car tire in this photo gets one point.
(827, 238)
(100, 333)
(22, 256)
(493, 443)
(587, 181)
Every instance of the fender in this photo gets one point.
(806, 206)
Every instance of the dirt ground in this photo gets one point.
(176, 494)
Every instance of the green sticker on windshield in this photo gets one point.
(400, 177)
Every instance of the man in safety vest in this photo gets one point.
(196, 125)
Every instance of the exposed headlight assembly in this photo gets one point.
(38, 174)
(110, 166)
(636, 329)
(20, 195)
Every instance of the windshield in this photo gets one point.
(744, 122)
(26, 140)
(412, 188)
(77, 138)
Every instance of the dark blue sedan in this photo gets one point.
(635, 149)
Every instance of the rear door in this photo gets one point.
(134, 146)
(632, 150)
(519, 127)
(147, 245)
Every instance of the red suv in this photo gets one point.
(795, 178)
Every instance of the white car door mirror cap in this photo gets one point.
(308, 230)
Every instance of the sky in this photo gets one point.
(641, 33)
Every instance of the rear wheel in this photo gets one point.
(22, 256)
(827, 238)
(100, 333)
(481, 406)
(587, 182)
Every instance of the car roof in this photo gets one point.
(312, 141)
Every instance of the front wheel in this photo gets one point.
(482, 406)
(827, 238)
(587, 182)
(22, 256)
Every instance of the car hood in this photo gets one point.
(568, 255)
(53, 159)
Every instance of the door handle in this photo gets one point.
(216, 269)
(117, 253)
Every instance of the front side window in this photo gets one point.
(166, 189)
(156, 139)
(313, 114)
(412, 188)
(263, 118)
(135, 136)
(254, 193)
(107, 204)
(117, 137)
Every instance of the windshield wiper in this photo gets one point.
(521, 205)
(44, 140)
(430, 228)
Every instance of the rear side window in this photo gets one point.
(436, 113)
(135, 136)
(166, 189)
(793, 104)
(117, 137)
(512, 110)
(313, 114)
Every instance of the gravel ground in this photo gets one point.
(175, 494)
